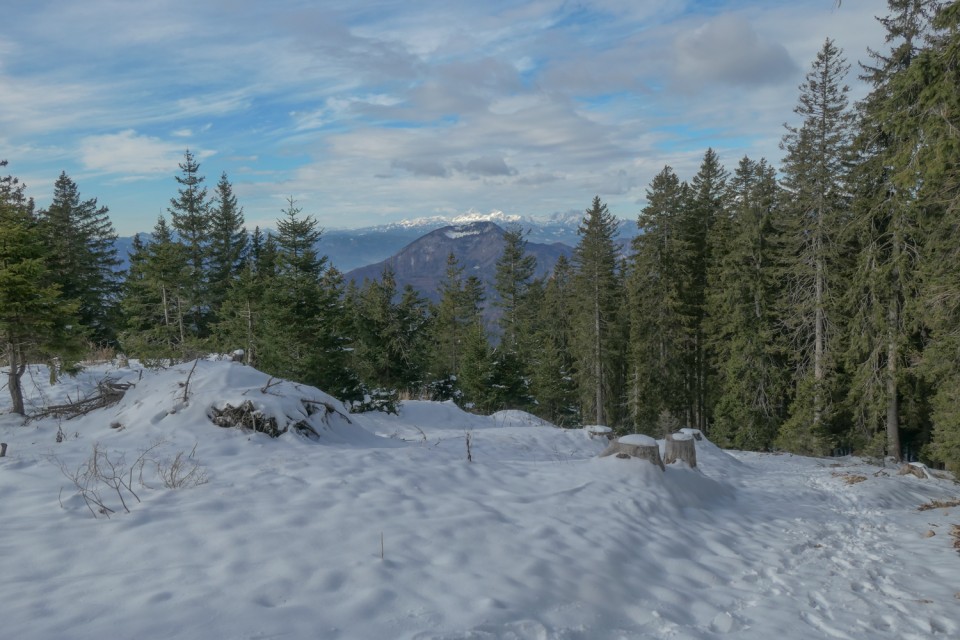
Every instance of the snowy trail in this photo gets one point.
(537, 538)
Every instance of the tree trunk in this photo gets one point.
(17, 367)
(597, 354)
(635, 446)
(680, 446)
(893, 408)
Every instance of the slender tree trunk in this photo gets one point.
(249, 354)
(598, 364)
(819, 331)
(893, 325)
(17, 367)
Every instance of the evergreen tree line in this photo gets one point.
(811, 309)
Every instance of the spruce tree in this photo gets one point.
(36, 321)
(659, 271)
(83, 257)
(888, 231)
(388, 330)
(228, 241)
(701, 210)
(743, 324)
(922, 117)
(155, 300)
(814, 171)
(597, 351)
(190, 219)
(553, 379)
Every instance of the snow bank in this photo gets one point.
(348, 534)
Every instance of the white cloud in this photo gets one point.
(727, 49)
(133, 155)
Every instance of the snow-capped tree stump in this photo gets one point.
(915, 469)
(597, 431)
(680, 446)
(635, 445)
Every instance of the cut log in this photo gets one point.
(635, 445)
(680, 446)
(915, 469)
(598, 431)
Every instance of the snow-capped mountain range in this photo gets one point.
(349, 249)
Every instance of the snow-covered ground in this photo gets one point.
(379, 527)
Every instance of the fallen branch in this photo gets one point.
(108, 393)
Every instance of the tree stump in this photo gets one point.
(635, 445)
(596, 431)
(3, 449)
(915, 469)
(680, 446)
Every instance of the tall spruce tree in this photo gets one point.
(597, 350)
(190, 219)
(155, 300)
(911, 118)
(553, 379)
(510, 360)
(814, 172)
(388, 332)
(243, 311)
(660, 269)
(83, 257)
(744, 336)
(228, 241)
(36, 321)
(457, 319)
(888, 229)
(704, 206)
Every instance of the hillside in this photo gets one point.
(477, 246)
(377, 526)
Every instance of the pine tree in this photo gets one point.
(705, 205)
(388, 334)
(510, 360)
(887, 229)
(512, 280)
(155, 300)
(814, 171)
(190, 218)
(743, 324)
(36, 321)
(596, 348)
(83, 257)
(228, 241)
(457, 312)
(921, 124)
(553, 379)
(659, 270)
(305, 322)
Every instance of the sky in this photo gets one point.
(372, 112)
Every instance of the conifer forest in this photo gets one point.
(811, 306)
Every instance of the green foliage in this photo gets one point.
(36, 321)
(156, 300)
(83, 259)
(389, 334)
(743, 324)
(596, 343)
(553, 377)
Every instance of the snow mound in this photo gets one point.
(192, 396)
(517, 418)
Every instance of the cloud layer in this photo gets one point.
(367, 112)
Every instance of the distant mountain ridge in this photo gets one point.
(477, 247)
(349, 249)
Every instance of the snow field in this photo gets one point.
(536, 538)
